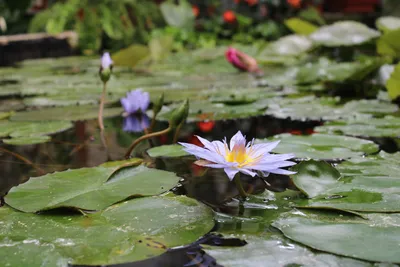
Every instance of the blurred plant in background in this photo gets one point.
(110, 23)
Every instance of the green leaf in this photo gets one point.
(321, 146)
(388, 23)
(379, 235)
(90, 188)
(127, 232)
(27, 140)
(393, 84)
(131, 55)
(272, 250)
(365, 126)
(300, 26)
(313, 177)
(180, 15)
(344, 33)
(169, 151)
(388, 45)
(291, 45)
(71, 113)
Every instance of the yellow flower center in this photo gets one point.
(239, 155)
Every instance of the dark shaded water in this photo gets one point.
(81, 147)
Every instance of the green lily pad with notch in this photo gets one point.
(327, 189)
(70, 113)
(322, 146)
(376, 239)
(168, 151)
(343, 33)
(90, 188)
(62, 100)
(27, 140)
(364, 126)
(273, 250)
(126, 232)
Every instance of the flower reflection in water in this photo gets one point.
(136, 123)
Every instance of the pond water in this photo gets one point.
(346, 172)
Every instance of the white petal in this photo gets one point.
(247, 172)
(270, 158)
(270, 166)
(223, 165)
(238, 138)
(263, 148)
(202, 153)
(219, 147)
(207, 144)
(106, 61)
(231, 172)
(280, 171)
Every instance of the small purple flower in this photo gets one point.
(136, 123)
(136, 100)
(106, 61)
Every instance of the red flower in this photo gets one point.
(229, 16)
(252, 2)
(294, 3)
(196, 11)
(241, 60)
(206, 126)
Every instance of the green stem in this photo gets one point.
(178, 129)
(144, 137)
(239, 186)
(101, 108)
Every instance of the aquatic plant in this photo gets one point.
(135, 101)
(241, 61)
(105, 74)
(248, 158)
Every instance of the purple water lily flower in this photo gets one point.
(251, 159)
(106, 61)
(136, 123)
(136, 100)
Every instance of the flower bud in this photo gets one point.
(180, 114)
(106, 67)
(158, 104)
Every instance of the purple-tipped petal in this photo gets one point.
(238, 138)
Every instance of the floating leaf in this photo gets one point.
(313, 177)
(344, 33)
(178, 15)
(342, 235)
(393, 84)
(130, 231)
(74, 113)
(322, 146)
(388, 23)
(131, 56)
(89, 188)
(300, 26)
(27, 140)
(291, 45)
(169, 151)
(387, 44)
(272, 250)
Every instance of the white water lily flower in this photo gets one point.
(240, 157)
(106, 61)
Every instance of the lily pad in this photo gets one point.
(90, 188)
(300, 26)
(365, 126)
(344, 33)
(170, 151)
(268, 250)
(342, 235)
(388, 23)
(313, 177)
(291, 45)
(323, 146)
(72, 113)
(130, 231)
(27, 140)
